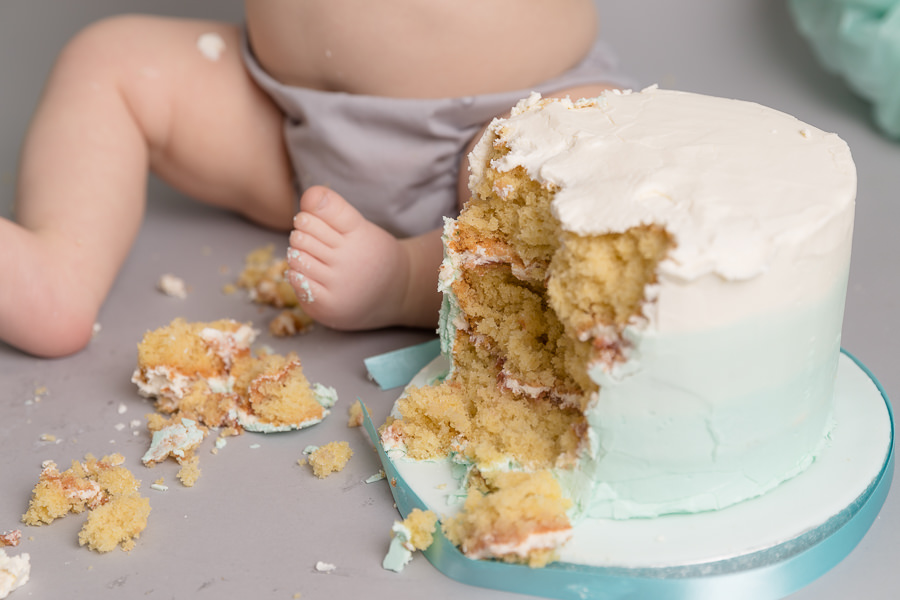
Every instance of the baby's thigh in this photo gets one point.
(210, 131)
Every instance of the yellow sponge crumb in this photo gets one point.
(519, 517)
(330, 458)
(421, 524)
(109, 490)
(355, 414)
(118, 522)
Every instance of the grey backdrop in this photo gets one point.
(256, 523)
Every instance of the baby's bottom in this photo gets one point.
(127, 94)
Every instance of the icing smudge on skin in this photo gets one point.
(211, 45)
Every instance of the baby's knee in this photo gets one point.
(102, 40)
(67, 336)
(104, 47)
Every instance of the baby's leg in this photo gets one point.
(351, 274)
(127, 94)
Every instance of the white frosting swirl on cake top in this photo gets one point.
(688, 162)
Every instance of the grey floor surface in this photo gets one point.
(256, 524)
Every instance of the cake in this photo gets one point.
(118, 513)
(177, 437)
(330, 458)
(10, 538)
(415, 532)
(643, 301)
(206, 372)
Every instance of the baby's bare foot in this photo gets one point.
(351, 274)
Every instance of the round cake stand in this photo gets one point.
(760, 549)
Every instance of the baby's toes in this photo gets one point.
(306, 288)
(331, 208)
(311, 246)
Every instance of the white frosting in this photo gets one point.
(728, 382)
(228, 344)
(14, 572)
(546, 540)
(400, 550)
(176, 440)
(744, 190)
(211, 45)
(161, 382)
(170, 285)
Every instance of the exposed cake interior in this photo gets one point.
(643, 300)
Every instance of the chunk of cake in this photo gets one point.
(642, 302)
(177, 437)
(513, 516)
(415, 532)
(330, 458)
(118, 513)
(206, 372)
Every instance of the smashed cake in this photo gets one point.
(205, 375)
(206, 372)
(118, 513)
(643, 297)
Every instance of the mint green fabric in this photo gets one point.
(860, 40)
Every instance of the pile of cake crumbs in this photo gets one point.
(205, 375)
(117, 512)
(263, 277)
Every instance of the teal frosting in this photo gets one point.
(399, 553)
(859, 40)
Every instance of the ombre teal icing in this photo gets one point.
(766, 574)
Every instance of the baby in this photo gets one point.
(366, 110)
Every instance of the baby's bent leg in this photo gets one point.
(350, 274)
(127, 94)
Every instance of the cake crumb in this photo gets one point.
(355, 414)
(14, 572)
(119, 522)
(330, 458)
(189, 472)
(173, 286)
(415, 532)
(264, 278)
(324, 567)
(293, 321)
(118, 514)
(10, 538)
(380, 475)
